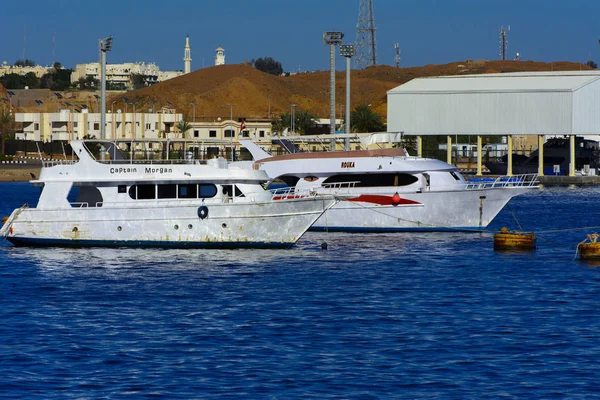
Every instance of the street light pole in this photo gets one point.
(293, 119)
(332, 39)
(10, 95)
(105, 45)
(231, 127)
(193, 111)
(347, 50)
(112, 120)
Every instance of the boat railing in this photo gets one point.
(524, 180)
(154, 161)
(340, 187)
(52, 163)
(288, 192)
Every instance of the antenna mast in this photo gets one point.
(366, 44)
(397, 58)
(503, 42)
(25, 43)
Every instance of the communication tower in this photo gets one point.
(366, 44)
(503, 42)
(397, 58)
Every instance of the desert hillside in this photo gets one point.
(252, 91)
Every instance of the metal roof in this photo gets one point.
(563, 81)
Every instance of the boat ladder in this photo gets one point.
(6, 227)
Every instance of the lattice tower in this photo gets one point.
(366, 43)
(503, 42)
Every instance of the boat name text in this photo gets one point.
(122, 170)
(347, 164)
(150, 170)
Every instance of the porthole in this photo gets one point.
(75, 229)
(190, 226)
(176, 227)
(119, 228)
(224, 225)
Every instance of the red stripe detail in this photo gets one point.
(381, 200)
(287, 197)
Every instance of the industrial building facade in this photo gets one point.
(512, 104)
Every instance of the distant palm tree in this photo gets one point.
(183, 126)
(279, 124)
(5, 119)
(363, 119)
(303, 121)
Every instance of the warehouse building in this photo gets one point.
(521, 104)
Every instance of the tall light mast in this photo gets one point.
(105, 45)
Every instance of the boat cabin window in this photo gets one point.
(85, 196)
(289, 180)
(173, 191)
(146, 192)
(167, 191)
(228, 191)
(374, 180)
(188, 191)
(122, 189)
(454, 175)
(207, 190)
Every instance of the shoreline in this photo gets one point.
(19, 173)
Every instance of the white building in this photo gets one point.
(69, 125)
(119, 76)
(522, 104)
(39, 71)
(220, 56)
(227, 129)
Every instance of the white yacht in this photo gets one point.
(103, 197)
(388, 189)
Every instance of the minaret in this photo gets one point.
(220, 56)
(187, 56)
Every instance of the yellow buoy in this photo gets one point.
(506, 240)
(589, 250)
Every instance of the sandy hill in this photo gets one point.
(251, 90)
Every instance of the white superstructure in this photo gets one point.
(107, 197)
(391, 191)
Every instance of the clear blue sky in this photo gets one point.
(429, 31)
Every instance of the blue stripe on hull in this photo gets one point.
(32, 242)
(359, 229)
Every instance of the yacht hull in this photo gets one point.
(277, 224)
(468, 210)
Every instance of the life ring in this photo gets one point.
(203, 212)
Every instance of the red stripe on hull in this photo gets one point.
(382, 200)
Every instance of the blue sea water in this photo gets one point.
(403, 315)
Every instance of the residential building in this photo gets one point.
(70, 125)
(38, 70)
(230, 130)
